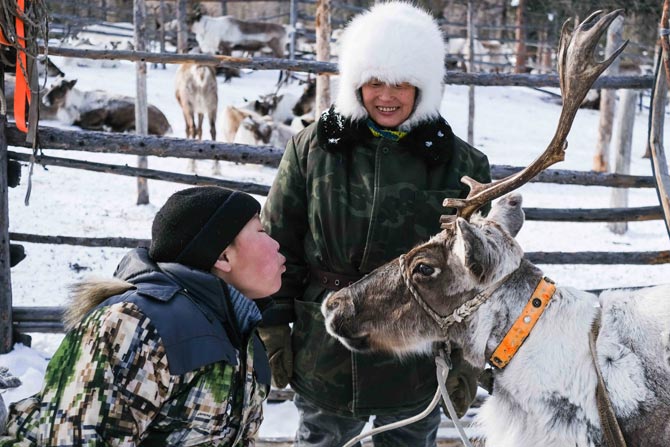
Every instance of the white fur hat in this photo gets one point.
(394, 42)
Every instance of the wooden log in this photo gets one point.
(89, 141)
(638, 214)
(129, 144)
(659, 161)
(44, 327)
(267, 63)
(141, 102)
(41, 314)
(604, 258)
(6, 341)
(546, 214)
(586, 178)
(151, 174)
(116, 242)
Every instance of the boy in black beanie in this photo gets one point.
(167, 352)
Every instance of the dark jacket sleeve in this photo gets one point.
(284, 218)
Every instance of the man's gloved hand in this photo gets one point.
(461, 383)
(277, 340)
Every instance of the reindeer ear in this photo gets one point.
(508, 213)
(71, 83)
(474, 254)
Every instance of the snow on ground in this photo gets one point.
(512, 126)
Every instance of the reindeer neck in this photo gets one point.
(483, 333)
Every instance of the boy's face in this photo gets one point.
(252, 262)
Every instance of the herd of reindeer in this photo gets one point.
(271, 119)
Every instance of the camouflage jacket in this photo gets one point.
(157, 364)
(345, 201)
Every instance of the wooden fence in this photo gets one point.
(48, 319)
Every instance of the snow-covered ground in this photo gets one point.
(512, 126)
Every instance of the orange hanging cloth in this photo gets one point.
(22, 93)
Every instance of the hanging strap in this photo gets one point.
(22, 91)
(610, 425)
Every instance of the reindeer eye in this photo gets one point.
(424, 269)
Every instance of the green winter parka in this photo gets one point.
(346, 202)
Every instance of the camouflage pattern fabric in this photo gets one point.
(108, 384)
(349, 210)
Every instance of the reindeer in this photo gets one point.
(222, 35)
(99, 110)
(196, 93)
(470, 285)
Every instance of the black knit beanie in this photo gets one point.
(196, 224)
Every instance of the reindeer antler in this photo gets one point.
(577, 71)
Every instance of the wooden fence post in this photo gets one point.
(6, 341)
(658, 159)
(293, 19)
(623, 143)
(161, 33)
(182, 27)
(520, 66)
(322, 24)
(608, 100)
(471, 66)
(141, 111)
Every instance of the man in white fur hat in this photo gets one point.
(361, 186)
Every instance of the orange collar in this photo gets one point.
(521, 328)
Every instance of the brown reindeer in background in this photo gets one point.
(197, 94)
(470, 285)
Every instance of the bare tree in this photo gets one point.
(608, 101)
(322, 24)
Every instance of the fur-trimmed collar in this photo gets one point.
(431, 140)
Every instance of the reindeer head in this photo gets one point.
(57, 94)
(414, 300)
(380, 312)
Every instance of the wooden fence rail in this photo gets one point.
(129, 144)
(268, 63)
(49, 319)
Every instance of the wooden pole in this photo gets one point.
(141, 109)
(608, 100)
(161, 34)
(623, 143)
(520, 66)
(293, 18)
(471, 65)
(182, 27)
(6, 341)
(658, 159)
(322, 24)
(659, 162)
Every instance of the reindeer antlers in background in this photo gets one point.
(577, 71)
